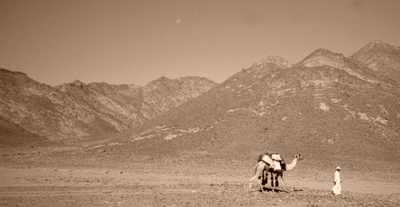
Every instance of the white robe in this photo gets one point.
(337, 188)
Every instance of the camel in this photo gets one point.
(265, 165)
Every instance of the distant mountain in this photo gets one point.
(383, 59)
(323, 57)
(164, 94)
(327, 105)
(77, 110)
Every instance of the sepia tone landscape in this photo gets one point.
(193, 142)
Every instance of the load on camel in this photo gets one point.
(274, 164)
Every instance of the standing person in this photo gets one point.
(337, 188)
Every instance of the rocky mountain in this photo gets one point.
(164, 94)
(326, 106)
(383, 59)
(77, 110)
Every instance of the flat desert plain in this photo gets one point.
(67, 177)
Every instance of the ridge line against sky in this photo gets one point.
(135, 42)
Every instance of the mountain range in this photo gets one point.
(30, 110)
(327, 106)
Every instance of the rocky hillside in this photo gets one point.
(382, 58)
(327, 106)
(77, 110)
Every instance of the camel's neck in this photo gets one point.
(291, 165)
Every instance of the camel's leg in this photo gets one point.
(261, 181)
(252, 178)
(272, 182)
(257, 175)
(251, 181)
(264, 179)
(276, 181)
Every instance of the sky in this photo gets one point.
(137, 41)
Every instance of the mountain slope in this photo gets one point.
(164, 94)
(13, 135)
(326, 106)
(383, 59)
(77, 110)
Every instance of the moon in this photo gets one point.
(178, 21)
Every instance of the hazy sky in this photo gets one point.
(136, 41)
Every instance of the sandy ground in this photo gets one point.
(47, 186)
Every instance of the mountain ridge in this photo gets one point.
(327, 104)
(381, 58)
(322, 109)
(77, 110)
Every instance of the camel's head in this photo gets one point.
(298, 156)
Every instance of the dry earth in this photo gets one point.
(29, 178)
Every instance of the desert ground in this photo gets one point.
(76, 176)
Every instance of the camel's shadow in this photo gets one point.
(279, 190)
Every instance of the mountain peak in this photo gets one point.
(3, 70)
(382, 58)
(373, 47)
(379, 44)
(161, 80)
(74, 84)
(325, 52)
(322, 57)
(276, 60)
(77, 82)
